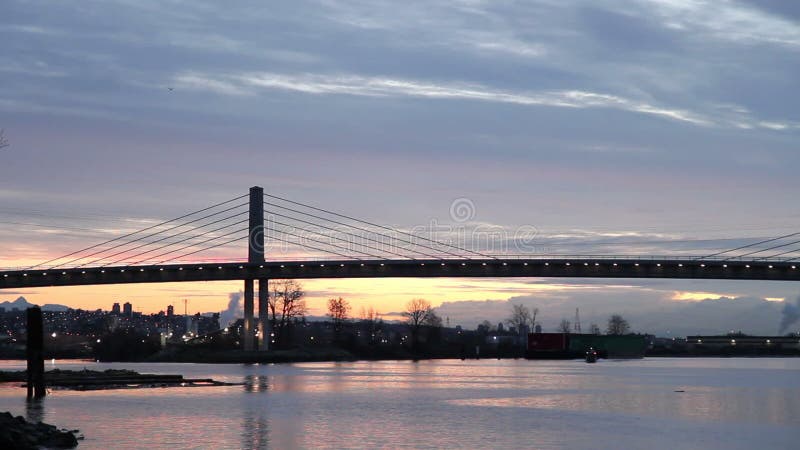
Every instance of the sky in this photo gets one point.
(602, 127)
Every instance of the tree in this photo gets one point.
(521, 317)
(419, 313)
(3, 141)
(617, 325)
(286, 305)
(338, 310)
(594, 329)
(565, 326)
(371, 323)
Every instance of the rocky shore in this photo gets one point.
(18, 433)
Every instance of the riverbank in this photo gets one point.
(18, 433)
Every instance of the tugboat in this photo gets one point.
(591, 355)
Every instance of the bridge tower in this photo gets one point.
(255, 255)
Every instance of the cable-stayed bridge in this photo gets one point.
(343, 246)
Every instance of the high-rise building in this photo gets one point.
(170, 311)
(115, 308)
(127, 309)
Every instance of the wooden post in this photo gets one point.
(35, 353)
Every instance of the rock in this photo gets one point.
(17, 433)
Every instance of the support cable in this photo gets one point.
(325, 243)
(167, 245)
(188, 246)
(345, 240)
(368, 230)
(766, 249)
(750, 245)
(377, 225)
(135, 233)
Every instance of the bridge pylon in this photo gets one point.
(255, 254)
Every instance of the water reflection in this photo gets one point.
(34, 409)
(256, 383)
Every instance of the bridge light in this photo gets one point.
(442, 263)
(585, 264)
(747, 266)
(770, 266)
(241, 267)
(219, 267)
(547, 264)
(302, 265)
(636, 264)
(659, 264)
(463, 264)
(180, 268)
(524, 264)
(322, 265)
(161, 269)
(82, 271)
(680, 265)
(281, 266)
(596, 264)
(702, 265)
(381, 264)
(484, 264)
(342, 265)
(122, 270)
(505, 264)
(724, 265)
(44, 273)
(615, 264)
(5, 275)
(793, 267)
(260, 267)
(63, 273)
(142, 270)
(200, 268)
(362, 264)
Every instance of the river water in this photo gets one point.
(724, 404)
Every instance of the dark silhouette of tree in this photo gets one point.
(338, 311)
(565, 326)
(419, 313)
(522, 317)
(286, 305)
(617, 325)
(371, 323)
(3, 141)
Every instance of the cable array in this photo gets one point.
(163, 242)
(360, 237)
(780, 243)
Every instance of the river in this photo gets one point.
(652, 403)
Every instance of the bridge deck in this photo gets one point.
(498, 268)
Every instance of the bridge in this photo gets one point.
(353, 248)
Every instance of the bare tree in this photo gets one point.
(594, 329)
(286, 304)
(3, 141)
(521, 317)
(418, 313)
(617, 325)
(371, 323)
(338, 310)
(565, 326)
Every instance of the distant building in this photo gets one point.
(170, 311)
(127, 309)
(500, 327)
(115, 308)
